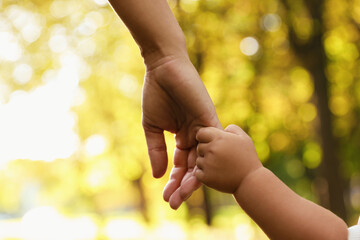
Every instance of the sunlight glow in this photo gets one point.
(249, 46)
(101, 2)
(124, 229)
(271, 22)
(170, 231)
(95, 145)
(60, 9)
(22, 73)
(10, 50)
(32, 127)
(244, 232)
(38, 125)
(58, 43)
(128, 85)
(90, 24)
(4, 92)
(86, 47)
(9, 229)
(28, 23)
(43, 223)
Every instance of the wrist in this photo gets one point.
(158, 53)
(165, 61)
(253, 176)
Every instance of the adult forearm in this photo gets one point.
(153, 26)
(282, 214)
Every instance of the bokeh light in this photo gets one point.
(73, 156)
(271, 22)
(249, 46)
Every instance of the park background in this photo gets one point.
(73, 158)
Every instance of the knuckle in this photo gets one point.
(157, 149)
(200, 132)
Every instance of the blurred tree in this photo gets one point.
(285, 71)
(310, 50)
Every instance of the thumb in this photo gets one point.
(232, 128)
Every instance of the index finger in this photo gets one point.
(206, 134)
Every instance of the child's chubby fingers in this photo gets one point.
(200, 163)
(232, 128)
(206, 134)
(200, 175)
(201, 149)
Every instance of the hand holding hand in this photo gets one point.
(225, 158)
(175, 100)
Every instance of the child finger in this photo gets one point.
(232, 128)
(200, 162)
(205, 135)
(201, 149)
(200, 175)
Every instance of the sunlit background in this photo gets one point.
(73, 160)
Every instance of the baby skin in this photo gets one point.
(227, 161)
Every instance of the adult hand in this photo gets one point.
(175, 100)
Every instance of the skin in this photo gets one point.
(174, 98)
(227, 161)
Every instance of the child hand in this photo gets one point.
(225, 158)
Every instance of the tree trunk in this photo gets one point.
(313, 57)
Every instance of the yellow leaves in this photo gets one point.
(270, 96)
(307, 112)
(351, 52)
(341, 77)
(312, 155)
(132, 169)
(304, 27)
(295, 168)
(356, 11)
(258, 132)
(263, 150)
(333, 45)
(189, 6)
(241, 111)
(95, 145)
(339, 105)
(279, 141)
(60, 9)
(244, 72)
(128, 85)
(301, 88)
(340, 43)
(274, 104)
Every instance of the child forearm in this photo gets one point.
(282, 214)
(153, 26)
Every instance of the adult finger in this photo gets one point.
(206, 135)
(157, 152)
(189, 186)
(191, 160)
(184, 192)
(189, 183)
(177, 173)
(175, 200)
